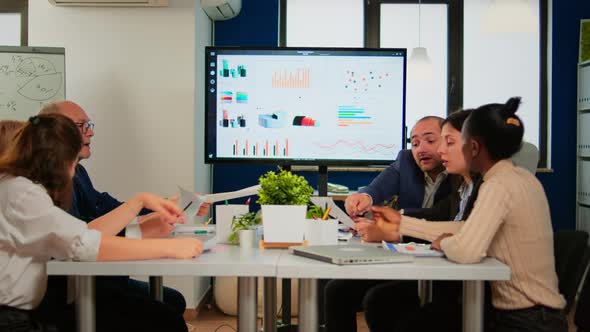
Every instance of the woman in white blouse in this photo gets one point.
(35, 191)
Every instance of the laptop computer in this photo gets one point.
(350, 254)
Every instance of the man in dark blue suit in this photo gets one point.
(114, 294)
(418, 180)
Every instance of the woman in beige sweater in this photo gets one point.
(510, 221)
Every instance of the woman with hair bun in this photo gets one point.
(510, 221)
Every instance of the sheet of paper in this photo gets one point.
(415, 249)
(335, 211)
(191, 202)
(249, 191)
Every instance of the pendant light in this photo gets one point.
(419, 66)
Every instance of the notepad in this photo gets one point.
(415, 249)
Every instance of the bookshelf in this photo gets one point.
(583, 147)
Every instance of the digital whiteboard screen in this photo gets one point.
(320, 106)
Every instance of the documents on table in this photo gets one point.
(191, 202)
(204, 233)
(415, 249)
(335, 211)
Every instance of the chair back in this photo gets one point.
(570, 253)
(527, 157)
(582, 316)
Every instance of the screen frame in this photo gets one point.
(298, 161)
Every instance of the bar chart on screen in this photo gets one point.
(294, 78)
(261, 147)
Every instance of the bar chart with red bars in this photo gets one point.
(261, 148)
(294, 79)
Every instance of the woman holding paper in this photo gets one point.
(35, 190)
(510, 221)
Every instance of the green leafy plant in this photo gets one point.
(242, 222)
(283, 188)
(315, 212)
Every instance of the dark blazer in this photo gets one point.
(447, 293)
(447, 208)
(404, 179)
(87, 202)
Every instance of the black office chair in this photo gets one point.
(570, 262)
(582, 316)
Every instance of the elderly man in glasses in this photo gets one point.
(89, 204)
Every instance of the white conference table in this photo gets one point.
(222, 260)
(308, 272)
(247, 265)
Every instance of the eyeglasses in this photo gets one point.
(85, 126)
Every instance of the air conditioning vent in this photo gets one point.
(226, 11)
(220, 10)
(111, 3)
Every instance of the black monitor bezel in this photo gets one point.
(298, 161)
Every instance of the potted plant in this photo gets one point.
(241, 223)
(283, 198)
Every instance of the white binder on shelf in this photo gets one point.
(584, 87)
(584, 134)
(584, 181)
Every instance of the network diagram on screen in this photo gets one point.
(338, 105)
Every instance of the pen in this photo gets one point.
(208, 221)
(186, 207)
(226, 202)
(326, 214)
(248, 201)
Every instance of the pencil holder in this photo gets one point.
(321, 232)
(224, 215)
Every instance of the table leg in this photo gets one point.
(247, 304)
(286, 305)
(270, 305)
(473, 296)
(157, 288)
(85, 304)
(308, 302)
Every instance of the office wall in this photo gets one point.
(560, 185)
(133, 70)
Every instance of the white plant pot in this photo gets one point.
(321, 232)
(283, 223)
(247, 238)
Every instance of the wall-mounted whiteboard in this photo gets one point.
(29, 78)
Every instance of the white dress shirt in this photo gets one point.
(32, 231)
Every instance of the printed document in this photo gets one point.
(191, 202)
